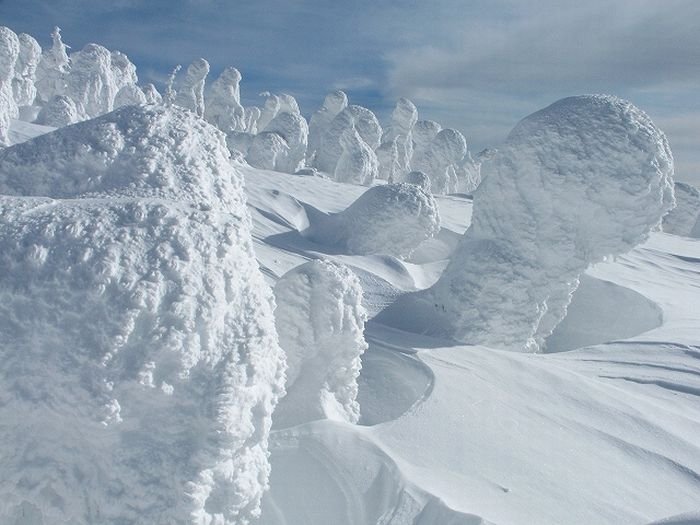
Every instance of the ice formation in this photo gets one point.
(292, 127)
(584, 178)
(333, 104)
(223, 108)
(9, 51)
(320, 320)
(190, 93)
(142, 388)
(440, 158)
(58, 112)
(684, 219)
(52, 69)
(331, 146)
(391, 219)
(25, 70)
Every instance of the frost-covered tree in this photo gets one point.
(357, 163)
(333, 104)
(9, 52)
(320, 321)
(223, 104)
(23, 84)
(266, 150)
(129, 95)
(331, 147)
(420, 179)
(53, 68)
(391, 219)
(684, 219)
(91, 82)
(59, 111)
(190, 92)
(584, 178)
(151, 94)
(440, 158)
(292, 127)
(144, 385)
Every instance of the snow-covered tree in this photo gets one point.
(190, 92)
(9, 52)
(53, 68)
(223, 104)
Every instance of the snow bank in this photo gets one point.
(392, 219)
(140, 362)
(684, 219)
(320, 320)
(584, 178)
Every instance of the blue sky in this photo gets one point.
(478, 66)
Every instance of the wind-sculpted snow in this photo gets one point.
(190, 93)
(53, 68)
(392, 219)
(684, 219)
(331, 146)
(223, 107)
(584, 178)
(9, 52)
(320, 320)
(333, 104)
(141, 391)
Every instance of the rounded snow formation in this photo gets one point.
(585, 178)
(223, 108)
(684, 219)
(331, 148)
(190, 93)
(146, 379)
(292, 127)
(420, 179)
(320, 321)
(403, 118)
(91, 82)
(357, 164)
(266, 150)
(392, 219)
(423, 133)
(129, 95)
(151, 94)
(58, 112)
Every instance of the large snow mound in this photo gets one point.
(391, 219)
(140, 359)
(320, 320)
(584, 178)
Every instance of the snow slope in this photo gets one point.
(457, 434)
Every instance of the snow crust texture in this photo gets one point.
(684, 219)
(391, 219)
(137, 333)
(584, 178)
(320, 320)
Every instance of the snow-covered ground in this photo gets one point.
(607, 434)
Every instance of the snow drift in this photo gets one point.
(392, 219)
(140, 362)
(320, 320)
(584, 178)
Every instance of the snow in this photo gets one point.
(25, 70)
(9, 51)
(223, 108)
(292, 127)
(357, 162)
(392, 219)
(320, 321)
(58, 112)
(129, 95)
(150, 364)
(53, 68)
(190, 92)
(333, 104)
(91, 83)
(684, 219)
(439, 158)
(510, 280)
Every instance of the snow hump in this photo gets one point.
(584, 178)
(391, 219)
(140, 359)
(320, 320)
